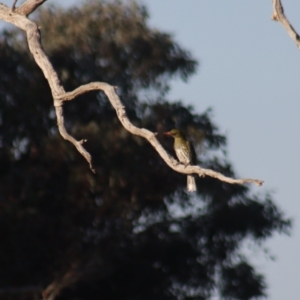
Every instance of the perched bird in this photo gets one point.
(185, 153)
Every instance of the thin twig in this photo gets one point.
(14, 5)
(29, 6)
(278, 15)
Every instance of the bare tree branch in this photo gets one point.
(54, 289)
(150, 136)
(75, 274)
(35, 47)
(29, 6)
(60, 96)
(278, 15)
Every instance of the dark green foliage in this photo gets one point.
(131, 231)
(243, 283)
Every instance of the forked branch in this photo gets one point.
(19, 19)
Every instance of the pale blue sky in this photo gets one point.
(249, 74)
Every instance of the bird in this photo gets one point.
(185, 153)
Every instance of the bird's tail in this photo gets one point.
(191, 183)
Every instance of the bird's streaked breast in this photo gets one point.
(183, 155)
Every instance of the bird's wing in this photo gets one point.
(193, 153)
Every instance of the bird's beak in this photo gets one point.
(167, 133)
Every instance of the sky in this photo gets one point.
(249, 75)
